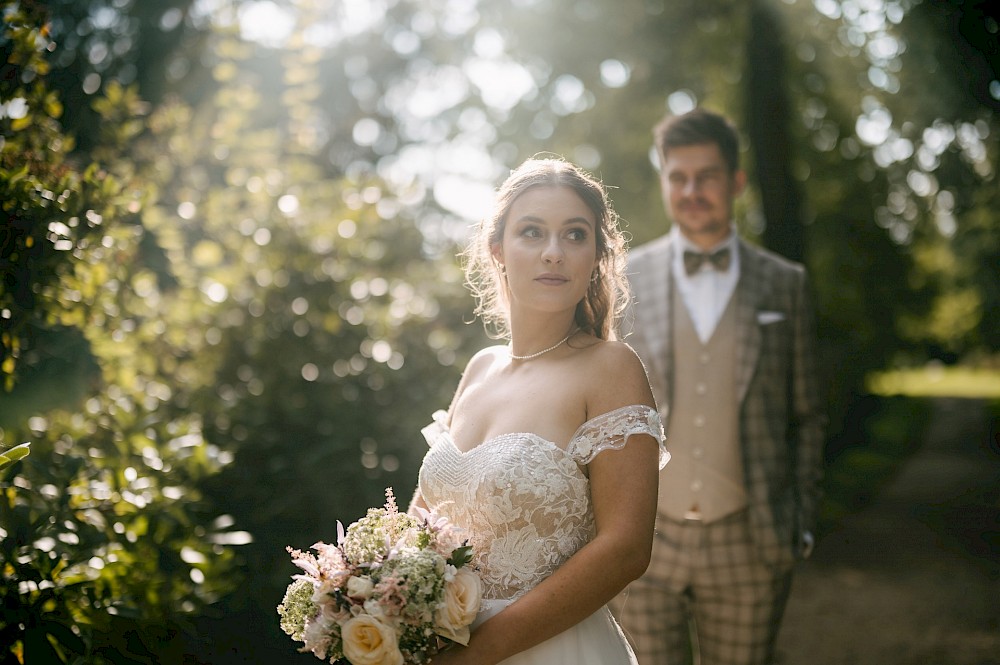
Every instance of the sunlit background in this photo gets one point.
(231, 294)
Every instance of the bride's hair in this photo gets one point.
(601, 309)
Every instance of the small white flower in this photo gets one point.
(360, 588)
(374, 608)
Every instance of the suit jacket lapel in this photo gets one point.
(665, 352)
(653, 321)
(749, 291)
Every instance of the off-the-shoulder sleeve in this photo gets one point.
(611, 431)
(436, 429)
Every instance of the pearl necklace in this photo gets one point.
(543, 351)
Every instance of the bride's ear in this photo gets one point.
(496, 250)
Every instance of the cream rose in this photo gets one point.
(368, 641)
(462, 597)
(360, 588)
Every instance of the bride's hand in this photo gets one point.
(456, 654)
(450, 656)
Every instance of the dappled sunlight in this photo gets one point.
(938, 380)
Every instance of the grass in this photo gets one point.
(888, 425)
(937, 380)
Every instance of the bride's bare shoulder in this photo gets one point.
(616, 374)
(488, 356)
(604, 353)
(478, 369)
(483, 362)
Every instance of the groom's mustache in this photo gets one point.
(694, 203)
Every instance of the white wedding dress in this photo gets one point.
(525, 505)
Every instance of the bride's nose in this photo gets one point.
(553, 252)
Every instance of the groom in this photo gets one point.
(725, 331)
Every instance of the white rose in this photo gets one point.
(360, 588)
(368, 641)
(462, 597)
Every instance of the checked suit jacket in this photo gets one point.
(781, 423)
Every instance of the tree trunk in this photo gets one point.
(767, 124)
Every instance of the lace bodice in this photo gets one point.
(523, 500)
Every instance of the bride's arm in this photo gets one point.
(623, 490)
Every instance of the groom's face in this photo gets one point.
(698, 192)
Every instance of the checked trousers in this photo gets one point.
(706, 598)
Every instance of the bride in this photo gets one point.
(549, 454)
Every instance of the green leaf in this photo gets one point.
(19, 124)
(461, 556)
(64, 636)
(38, 649)
(15, 176)
(16, 453)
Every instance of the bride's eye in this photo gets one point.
(577, 234)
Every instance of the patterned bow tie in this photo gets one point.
(719, 260)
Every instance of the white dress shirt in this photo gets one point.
(706, 292)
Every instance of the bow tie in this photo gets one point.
(694, 260)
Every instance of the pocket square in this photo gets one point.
(764, 318)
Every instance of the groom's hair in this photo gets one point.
(698, 127)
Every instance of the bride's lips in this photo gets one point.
(552, 279)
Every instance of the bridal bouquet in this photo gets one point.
(394, 589)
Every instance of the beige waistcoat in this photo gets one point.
(704, 478)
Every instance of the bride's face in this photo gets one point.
(549, 248)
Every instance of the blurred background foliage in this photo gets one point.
(230, 296)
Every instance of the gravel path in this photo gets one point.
(914, 578)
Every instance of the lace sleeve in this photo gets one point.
(434, 431)
(611, 431)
